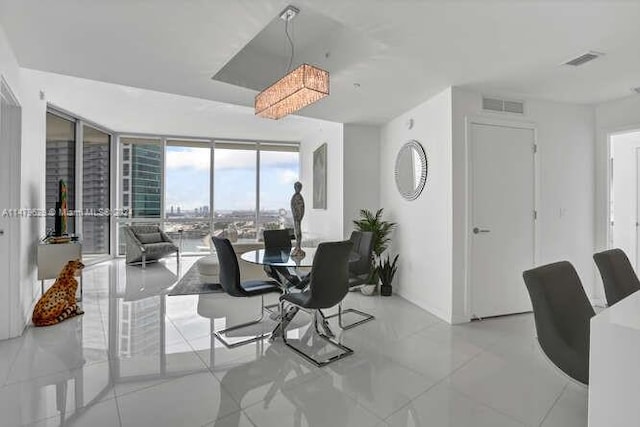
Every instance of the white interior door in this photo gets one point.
(5, 171)
(502, 231)
(10, 138)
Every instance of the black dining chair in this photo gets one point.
(278, 240)
(328, 285)
(229, 276)
(359, 274)
(617, 274)
(562, 315)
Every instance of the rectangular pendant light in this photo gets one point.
(301, 87)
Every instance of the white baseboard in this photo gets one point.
(425, 306)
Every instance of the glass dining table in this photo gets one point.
(281, 258)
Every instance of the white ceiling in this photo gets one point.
(415, 48)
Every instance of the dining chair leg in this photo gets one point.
(346, 351)
(220, 334)
(269, 308)
(366, 317)
(325, 324)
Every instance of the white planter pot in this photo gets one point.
(369, 289)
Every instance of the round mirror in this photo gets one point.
(411, 170)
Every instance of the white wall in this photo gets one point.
(323, 224)
(423, 237)
(361, 172)
(565, 138)
(32, 191)
(625, 192)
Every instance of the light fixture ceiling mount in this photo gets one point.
(304, 85)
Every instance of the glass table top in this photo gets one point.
(282, 257)
(279, 257)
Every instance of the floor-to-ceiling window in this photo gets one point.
(279, 170)
(197, 188)
(140, 195)
(60, 165)
(235, 201)
(141, 177)
(96, 191)
(187, 197)
(79, 154)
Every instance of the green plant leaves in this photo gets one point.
(381, 229)
(387, 270)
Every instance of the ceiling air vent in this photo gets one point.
(583, 59)
(502, 105)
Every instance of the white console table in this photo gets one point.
(614, 365)
(53, 256)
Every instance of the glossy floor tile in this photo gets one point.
(444, 406)
(139, 357)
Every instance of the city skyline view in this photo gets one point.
(188, 179)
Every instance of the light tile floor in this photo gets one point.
(141, 358)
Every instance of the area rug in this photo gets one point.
(190, 284)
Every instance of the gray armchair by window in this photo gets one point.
(359, 273)
(562, 314)
(617, 274)
(146, 243)
(328, 285)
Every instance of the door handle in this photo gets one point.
(477, 230)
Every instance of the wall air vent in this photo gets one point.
(583, 59)
(502, 105)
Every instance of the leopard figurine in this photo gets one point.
(59, 302)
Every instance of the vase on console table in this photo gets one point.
(297, 210)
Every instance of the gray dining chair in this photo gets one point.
(617, 274)
(229, 276)
(328, 285)
(562, 315)
(360, 271)
(280, 239)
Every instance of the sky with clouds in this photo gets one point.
(187, 178)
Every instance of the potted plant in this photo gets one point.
(381, 231)
(387, 271)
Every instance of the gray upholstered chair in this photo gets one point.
(229, 276)
(359, 274)
(328, 285)
(617, 274)
(146, 243)
(279, 239)
(562, 314)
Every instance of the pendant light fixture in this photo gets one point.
(298, 88)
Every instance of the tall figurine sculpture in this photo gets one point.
(297, 209)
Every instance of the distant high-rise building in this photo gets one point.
(60, 164)
(95, 196)
(141, 178)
